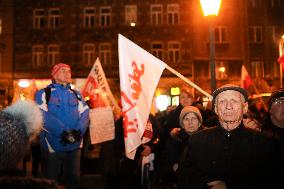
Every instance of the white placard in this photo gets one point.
(101, 125)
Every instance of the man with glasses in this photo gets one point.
(274, 123)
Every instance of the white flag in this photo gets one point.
(139, 73)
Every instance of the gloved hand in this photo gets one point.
(76, 134)
(67, 137)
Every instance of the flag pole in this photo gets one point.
(189, 82)
(257, 92)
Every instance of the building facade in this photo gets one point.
(6, 52)
(77, 32)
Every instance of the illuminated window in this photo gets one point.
(1, 61)
(38, 18)
(272, 34)
(157, 50)
(221, 70)
(220, 34)
(105, 16)
(53, 18)
(37, 55)
(275, 3)
(254, 3)
(255, 34)
(173, 52)
(52, 54)
(105, 53)
(156, 14)
(173, 13)
(89, 17)
(88, 54)
(0, 26)
(130, 14)
(257, 69)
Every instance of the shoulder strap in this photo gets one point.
(47, 91)
(77, 95)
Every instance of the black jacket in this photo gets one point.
(243, 158)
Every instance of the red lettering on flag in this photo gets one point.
(135, 78)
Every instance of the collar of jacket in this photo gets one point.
(231, 132)
(55, 85)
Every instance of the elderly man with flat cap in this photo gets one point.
(66, 118)
(230, 155)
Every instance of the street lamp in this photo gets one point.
(211, 8)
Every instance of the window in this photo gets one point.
(105, 53)
(221, 70)
(130, 14)
(105, 16)
(275, 70)
(220, 35)
(89, 17)
(37, 55)
(1, 61)
(0, 26)
(254, 3)
(38, 18)
(257, 69)
(255, 34)
(52, 54)
(156, 14)
(173, 13)
(173, 52)
(157, 50)
(88, 54)
(275, 3)
(272, 34)
(53, 18)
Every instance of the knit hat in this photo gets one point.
(275, 95)
(57, 67)
(226, 88)
(18, 124)
(189, 109)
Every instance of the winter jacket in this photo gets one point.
(242, 158)
(63, 112)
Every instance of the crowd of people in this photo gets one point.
(225, 145)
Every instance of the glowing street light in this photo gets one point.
(24, 83)
(211, 8)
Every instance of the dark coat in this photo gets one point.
(243, 158)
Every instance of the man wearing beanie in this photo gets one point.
(230, 155)
(66, 118)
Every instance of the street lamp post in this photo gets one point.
(211, 8)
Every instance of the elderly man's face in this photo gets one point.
(230, 106)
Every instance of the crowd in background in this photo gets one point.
(181, 142)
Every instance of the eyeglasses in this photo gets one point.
(279, 101)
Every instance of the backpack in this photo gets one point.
(47, 91)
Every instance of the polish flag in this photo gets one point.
(246, 81)
(139, 73)
(281, 61)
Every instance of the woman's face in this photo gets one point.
(190, 123)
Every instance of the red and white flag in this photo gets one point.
(246, 81)
(139, 73)
(97, 88)
(281, 61)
